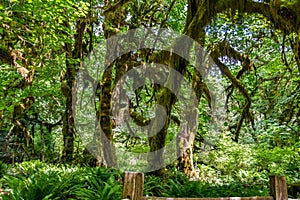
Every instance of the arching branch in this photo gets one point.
(242, 89)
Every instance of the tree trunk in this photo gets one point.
(157, 139)
(185, 139)
(68, 118)
(110, 27)
(69, 89)
(108, 148)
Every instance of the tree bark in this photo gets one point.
(69, 89)
(111, 27)
(157, 139)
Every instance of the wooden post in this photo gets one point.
(278, 187)
(133, 186)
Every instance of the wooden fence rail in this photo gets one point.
(222, 198)
(134, 186)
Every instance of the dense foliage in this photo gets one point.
(43, 45)
(38, 180)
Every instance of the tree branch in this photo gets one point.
(242, 89)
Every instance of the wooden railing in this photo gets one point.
(134, 186)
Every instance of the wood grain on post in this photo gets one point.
(278, 187)
(133, 186)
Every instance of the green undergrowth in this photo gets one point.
(228, 171)
(40, 181)
(176, 184)
(36, 180)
